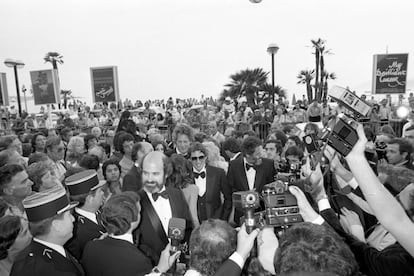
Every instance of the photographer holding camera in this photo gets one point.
(302, 248)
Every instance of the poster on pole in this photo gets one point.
(45, 87)
(389, 74)
(104, 84)
(4, 95)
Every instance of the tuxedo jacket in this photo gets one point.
(39, 260)
(150, 234)
(84, 230)
(216, 183)
(113, 257)
(228, 268)
(237, 179)
(393, 260)
(132, 180)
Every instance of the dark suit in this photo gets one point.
(216, 183)
(84, 230)
(111, 256)
(150, 233)
(39, 260)
(391, 261)
(132, 180)
(228, 268)
(237, 179)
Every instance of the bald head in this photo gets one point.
(156, 167)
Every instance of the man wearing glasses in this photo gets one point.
(56, 152)
(211, 182)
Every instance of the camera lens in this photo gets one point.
(250, 199)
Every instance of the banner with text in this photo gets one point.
(389, 74)
(4, 95)
(105, 84)
(45, 87)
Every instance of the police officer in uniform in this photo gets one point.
(51, 224)
(85, 188)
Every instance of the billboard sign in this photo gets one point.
(104, 84)
(45, 87)
(389, 74)
(4, 95)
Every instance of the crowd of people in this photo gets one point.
(95, 191)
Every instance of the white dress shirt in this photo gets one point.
(125, 237)
(162, 208)
(56, 247)
(201, 182)
(251, 175)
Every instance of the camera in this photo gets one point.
(343, 136)
(381, 149)
(246, 199)
(281, 207)
(288, 171)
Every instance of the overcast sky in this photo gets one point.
(185, 48)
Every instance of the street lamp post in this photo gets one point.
(16, 64)
(24, 95)
(272, 50)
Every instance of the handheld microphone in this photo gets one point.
(176, 232)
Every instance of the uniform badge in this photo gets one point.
(47, 253)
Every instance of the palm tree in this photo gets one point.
(66, 94)
(327, 76)
(306, 77)
(317, 45)
(246, 83)
(268, 90)
(322, 53)
(54, 58)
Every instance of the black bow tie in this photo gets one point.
(202, 175)
(163, 194)
(248, 166)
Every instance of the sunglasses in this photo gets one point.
(194, 158)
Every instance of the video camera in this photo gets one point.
(342, 136)
(281, 207)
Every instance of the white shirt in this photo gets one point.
(125, 237)
(56, 247)
(235, 156)
(201, 182)
(251, 175)
(60, 170)
(86, 214)
(163, 209)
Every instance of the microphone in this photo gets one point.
(176, 231)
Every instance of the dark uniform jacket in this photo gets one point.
(113, 257)
(84, 230)
(39, 260)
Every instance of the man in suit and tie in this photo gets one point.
(250, 171)
(159, 204)
(51, 225)
(211, 182)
